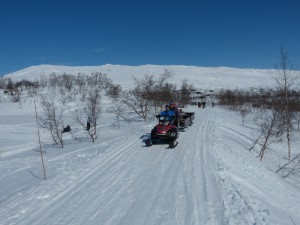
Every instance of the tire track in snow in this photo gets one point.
(54, 205)
(240, 206)
(206, 171)
(67, 157)
(198, 200)
(131, 184)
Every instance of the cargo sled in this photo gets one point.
(185, 119)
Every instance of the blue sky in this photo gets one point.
(233, 33)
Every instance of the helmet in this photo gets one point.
(171, 103)
(167, 106)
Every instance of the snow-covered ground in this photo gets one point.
(209, 178)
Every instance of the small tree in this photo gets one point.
(51, 119)
(91, 108)
(292, 167)
(80, 81)
(120, 110)
(285, 79)
(244, 112)
(137, 99)
(145, 97)
(185, 92)
(271, 129)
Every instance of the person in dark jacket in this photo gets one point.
(66, 129)
(88, 124)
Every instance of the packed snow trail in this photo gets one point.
(208, 179)
(125, 182)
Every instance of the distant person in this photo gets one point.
(199, 104)
(88, 123)
(66, 129)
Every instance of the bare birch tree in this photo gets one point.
(271, 128)
(292, 167)
(244, 110)
(91, 108)
(285, 78)
(52, 119)
(185, 92)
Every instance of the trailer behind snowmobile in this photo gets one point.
(185, 119)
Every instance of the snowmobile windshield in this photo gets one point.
(163, 120)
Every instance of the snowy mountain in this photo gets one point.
(210, 178)
(201, 77)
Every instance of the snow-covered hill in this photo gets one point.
(201, 77)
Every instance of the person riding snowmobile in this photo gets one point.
(174, 108)
(165, 130)
(168, 113)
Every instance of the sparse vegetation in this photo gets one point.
(145, 99)
(277, 110)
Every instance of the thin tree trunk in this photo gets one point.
(41, 152)
(263, 149)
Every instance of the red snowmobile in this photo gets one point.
(164, 132)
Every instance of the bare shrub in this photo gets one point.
(145, 96)
(89, 108)
(52, 119)
(291, 168)
(271, 129)
(285, 79)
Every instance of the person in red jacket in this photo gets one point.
(174, 107)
